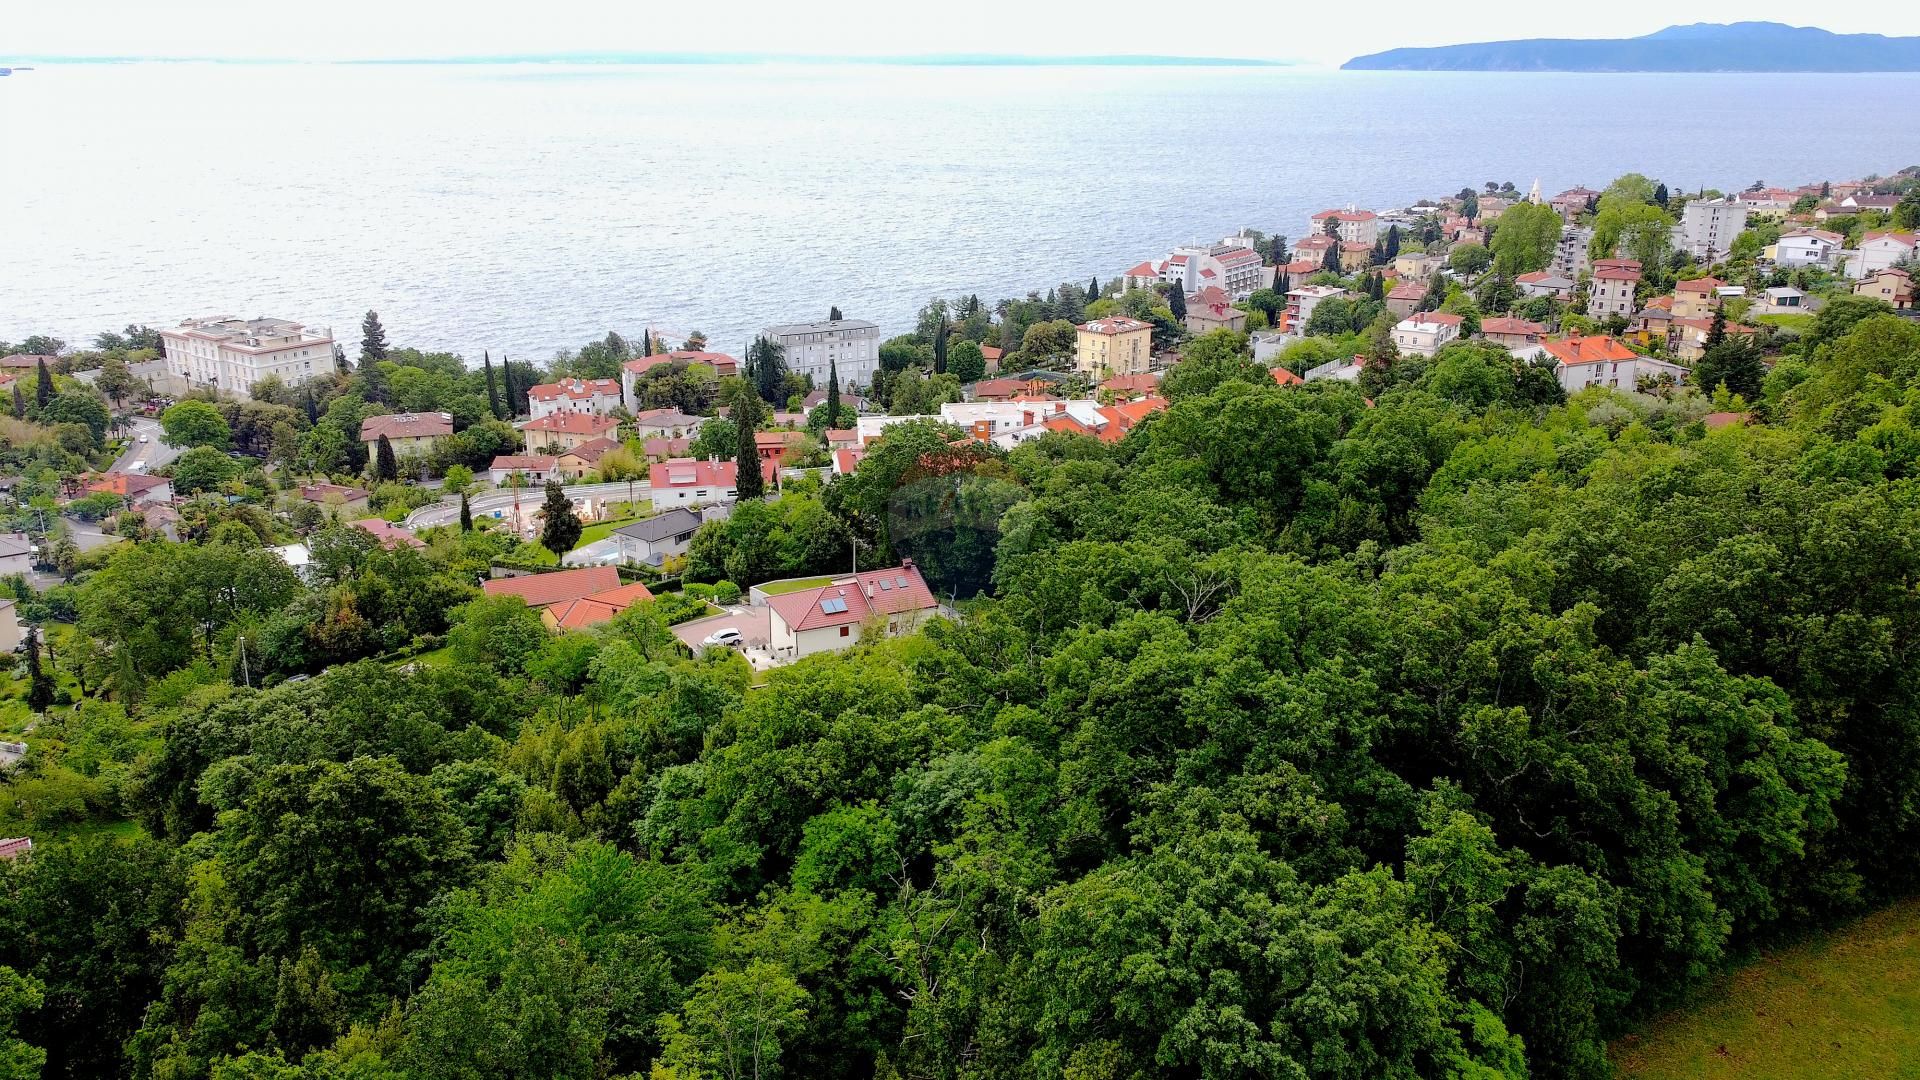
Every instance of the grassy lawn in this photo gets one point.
(1788, 322)
(778, 587)
(433, 658)
(1845, 1004)
(600, 530)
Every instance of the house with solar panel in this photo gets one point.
(835, 616)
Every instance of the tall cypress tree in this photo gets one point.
(312, 406)
(833, 394)
(466, 514)
(646, 343)
(1331, 262)
(373, 338)
(560, 527)
(1093, 289)
(373, 383)
(39, 683)
(1393, 242)
(940, 347)
(42, 384)
(384, 465)
(748, 481)
(1177, 301)
(493, 394)
(19, 403)
(833, 314)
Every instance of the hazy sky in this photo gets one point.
(1313, 32)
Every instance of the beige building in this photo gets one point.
(1893, 285)
(1113, 346)
(1355, 226)
(1611, 290)
(230, 355)
(409, 433)
(567, 430)
(1211, 309)
(1423, 334)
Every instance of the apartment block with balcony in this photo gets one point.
(230, 355)
(1708, 227)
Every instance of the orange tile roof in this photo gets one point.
(598, 608)
(1588, 350)
(540, 590)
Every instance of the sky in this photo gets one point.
(1315, 33)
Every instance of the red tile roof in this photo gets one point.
(852, 600)
(1345, 215)
(1117, 324)
(540, 590)
(1616, 270)
(575, 389)
(720, 362)
(432, 425)
(127, 485)
(665, 447)
(1505, 325)
(1408, 290)
(1286, 378)
(572, 423)
(1588, 350)
(1434, 318)
(597, 608)
(524, 463)
(1145, 269)
(389, 534)
(592, 452)
(1703, 285)
(683, 473)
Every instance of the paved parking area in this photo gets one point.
(754, 624)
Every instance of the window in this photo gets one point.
(844, 630)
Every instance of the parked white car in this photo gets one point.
(726, 638)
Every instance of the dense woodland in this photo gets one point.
(1297, 735)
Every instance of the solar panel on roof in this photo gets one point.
(833, 605)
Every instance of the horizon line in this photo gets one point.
(614, 58)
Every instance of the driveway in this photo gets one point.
(149, 455)
(594, 554)
(754, 624)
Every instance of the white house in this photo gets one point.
(1781, 300)
(698, 482)
(596, 396)
(665, 424)
(1302, 301)
(1424, 333)
(654, 540)
(1345, 370)
(1708, 227)
(230, 355)
(1878, 251)
(16, 554)
(1807, 247)
(835, 616)
(11, 633)
(1355, 226)
(1545, 283)
(1603, 361)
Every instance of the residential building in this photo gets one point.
(1573, 202)
(16, 846)
(557, 587)
(1780, 300)
(632, 371)
(1604, 361)
(1687, 336)
(696, 482)
(1353, 225)
(1406, 297)
(1708, 227)
(139, 489)
(849, 346)
(849, 403)
(594, 608)
(1855, 202)
(846, 459)
(1110, 424)
(1299, 268)
(1212, 309)
(20, 362)
(1302, 301)
(1284, 377)
(1313, 249)
(656, 539)
(1611, 290)
(1546, 283)
(565, 430)
(1416, 265)
(1347, 370)
(596, 396)
(1806, 247)
(389, 534)
(408, 433)
(1145, 275)
(534, 470)
(835, 616)
(1697, 298)
(1231, 267)
(1130, 387)
(1879, 250)
(1113, 346)
(775, 447)
(11, 632)
(1570, 252)
(230, 355)
(590, 453)
(339, 498)
(666, 423)
(1893, 285)
(1512, 334)
(1425, 333)
(662, 449)
(1355, 256)
(1770, 202)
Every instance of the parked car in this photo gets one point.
(727, 638)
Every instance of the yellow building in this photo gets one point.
(1114, 346)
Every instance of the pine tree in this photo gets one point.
(39, 683)
(466, 514)
(493, 393)
(312, 406)
(1717, 330)
(373, 339)
(766, 369)
(373, 383)
(833, 314)
(1279, 251)
(1393, 242)
(748, 481)
(1331, 261)
(560, 527)
(384, 465)
(833, 394)
(1660, 195)
(42, 384)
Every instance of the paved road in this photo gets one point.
(447, 510)
(153, 453)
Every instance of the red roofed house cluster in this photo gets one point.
(596, 396)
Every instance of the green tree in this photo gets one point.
(1734, 363)
(496, 633)
(966, 363)
(493, 393)
(560, 527)
(1469, 259)
(736, 1023)
(373, 340)
(43, 383)
(1526, 237)
(19, 995)
(749, 481)
(466, 514)
(1177, 301)
(202, 468)
(385, 466)
(193, 423)
(767, 369)
(833, 393)
(39, 680)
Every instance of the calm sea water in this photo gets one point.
(530, 208)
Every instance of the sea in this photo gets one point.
(522, 209)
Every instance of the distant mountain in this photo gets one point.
(1742, 46)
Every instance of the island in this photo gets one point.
(1741, 46)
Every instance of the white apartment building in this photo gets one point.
(1423, 334)
(596, 396)
(1880, 251)
(1231, 267)
(1302, 301)
(1807, 247)
(1708, 227)
(850, 345)
(1570, 254)
(230, 355)
(1356, 226)
(1005, 424)
(1612, 288)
